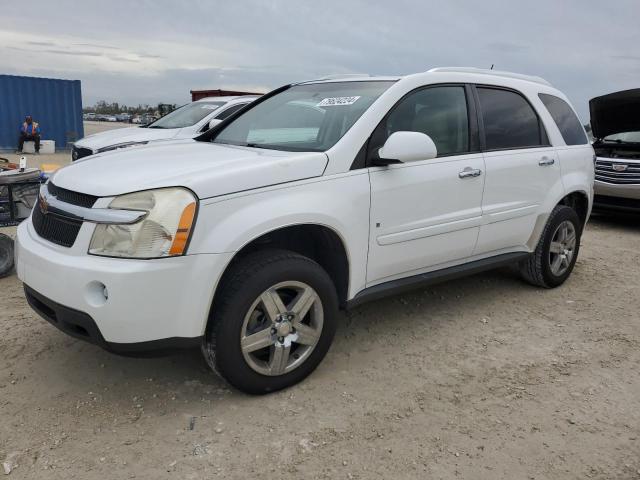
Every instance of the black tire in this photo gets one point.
(536, 270)
(6, 255)
(241, 286)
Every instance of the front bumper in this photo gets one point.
(616, 197)
(631, 191)
(146, 300)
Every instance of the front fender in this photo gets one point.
(339, 202)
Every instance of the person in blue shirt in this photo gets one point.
(29, 130)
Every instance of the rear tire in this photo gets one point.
(273, 321)
(6, 255)
(555, 256)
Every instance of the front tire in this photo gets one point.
(272, 323)
(555, 256)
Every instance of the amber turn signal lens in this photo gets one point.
(184, 228)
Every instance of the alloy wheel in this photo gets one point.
(562, 248)
(282, 328)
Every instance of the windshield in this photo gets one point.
(187, 115)
(626, 137)
(310, 117)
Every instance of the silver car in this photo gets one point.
(615, 123)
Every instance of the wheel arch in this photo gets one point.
(321, 243)
(576, 199)
(579, 201)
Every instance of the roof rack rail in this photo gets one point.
(498, 73)
(337, 76)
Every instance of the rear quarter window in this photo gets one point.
(566, 120)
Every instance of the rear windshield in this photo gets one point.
(566, 120)
(187, 115)
(310, 117)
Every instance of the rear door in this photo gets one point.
(521, 167)
(427, 212)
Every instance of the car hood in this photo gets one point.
(125, 135)
(208, 169)
(615, 113)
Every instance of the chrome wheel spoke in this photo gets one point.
(273, 304)
(306, 335)
(279, 358)
(556, 247)
(303, 302)
(562, 233)
(556, 264)
(257, 341)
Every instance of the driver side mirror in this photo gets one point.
(406, 147)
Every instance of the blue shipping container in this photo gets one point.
(55, 104)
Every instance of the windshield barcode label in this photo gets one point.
(335, 101)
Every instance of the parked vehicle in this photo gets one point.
(18, 192)
(187, 121)
(319, 196)
(148, 118)
(615, 122)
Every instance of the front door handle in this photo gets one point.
(470, 172)
(546, 161)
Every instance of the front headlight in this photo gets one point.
(163, 232)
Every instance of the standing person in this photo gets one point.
(29, 130)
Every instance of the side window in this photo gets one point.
(565, 118)
(509, 120)
(229, 111)
(440, 112)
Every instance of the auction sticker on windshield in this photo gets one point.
(335, 101)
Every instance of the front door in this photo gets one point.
(426, 213)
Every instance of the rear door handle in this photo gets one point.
(546, 161)
(470, 172)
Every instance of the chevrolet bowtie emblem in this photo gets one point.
(44, 206)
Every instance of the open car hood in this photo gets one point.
(616, 112)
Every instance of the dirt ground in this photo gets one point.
(480, 378)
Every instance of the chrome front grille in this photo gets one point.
(74, 198)
(53, 227)
(618, 172)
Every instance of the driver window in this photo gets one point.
(440, 112)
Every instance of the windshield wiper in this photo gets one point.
(154, 126)
(256, 145)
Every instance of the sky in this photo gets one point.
(156, 51)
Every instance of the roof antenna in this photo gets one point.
(491, 67)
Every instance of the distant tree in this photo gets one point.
(102, 107)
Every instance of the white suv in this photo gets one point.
(321, 195)
(188, 121)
